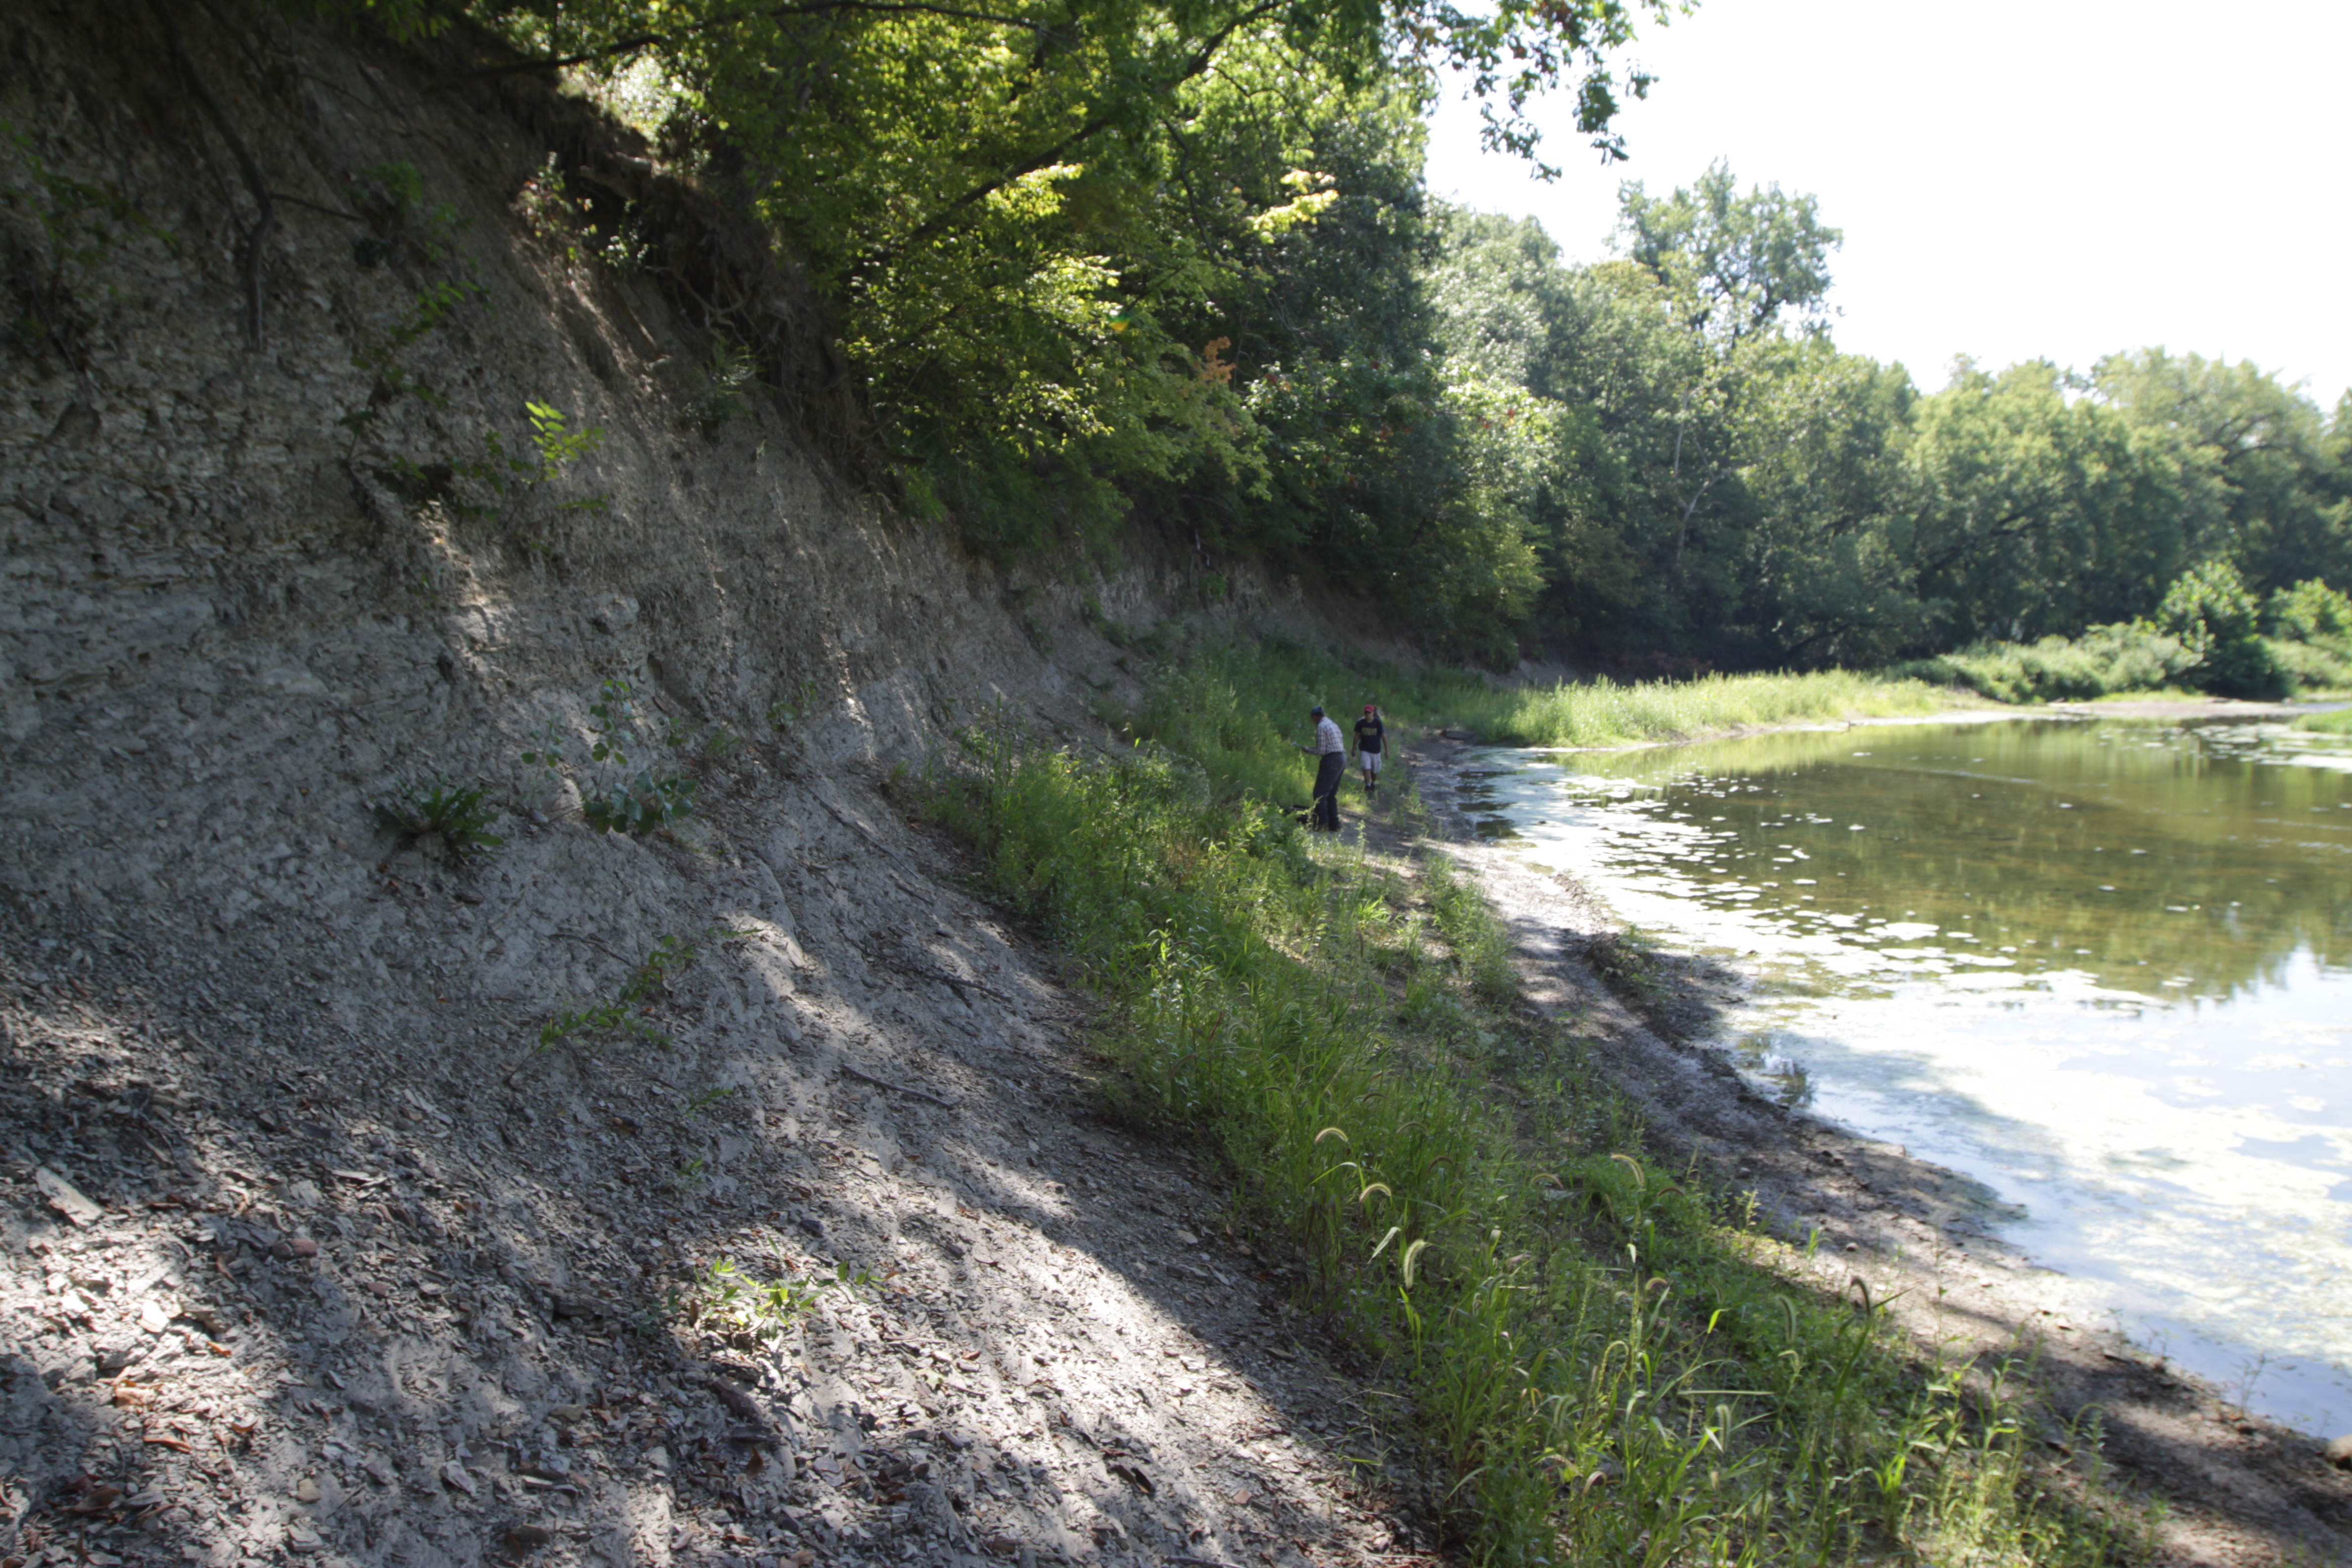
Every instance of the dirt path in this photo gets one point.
(2235, 1490)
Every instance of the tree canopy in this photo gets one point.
(1175, 261)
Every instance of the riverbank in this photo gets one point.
(2214, 1485)
(1569, 1340)
(1605, 713)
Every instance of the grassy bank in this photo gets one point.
(1590, 1357)
(1606, 714)
(1222, 707)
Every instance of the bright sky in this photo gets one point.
(2017, 179)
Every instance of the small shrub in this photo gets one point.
(637, 804)
(2124, 657)
(2313, 666)
(727, 375)
(459, 818)
(648, 801)
(2210, 609)
(2311, 611)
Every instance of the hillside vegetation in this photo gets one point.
(1178, 264)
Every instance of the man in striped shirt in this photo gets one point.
(1330, 754)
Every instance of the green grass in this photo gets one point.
(1230, 708)
(2104, 661)
(2338, 722)
(2112, 662)
(1594, 1358)
(1606, 714)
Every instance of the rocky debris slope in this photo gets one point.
(380, 1301)
(719, 1192)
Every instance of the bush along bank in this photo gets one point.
(2211, 635)
(1588, 1356)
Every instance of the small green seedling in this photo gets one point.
(459, 817)
(646, 802)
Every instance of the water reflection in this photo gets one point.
(2104, 967)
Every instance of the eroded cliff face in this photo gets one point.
(332, 562)
(361, 1195)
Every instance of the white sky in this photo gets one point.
(2017, 179)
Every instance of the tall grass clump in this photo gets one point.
(1228, 701)
(2209, 634)
(1597, 1360)
(1604, 713)
(2336, 722)
(2102, 662)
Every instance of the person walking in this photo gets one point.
(1330, 754)
(1372, 735)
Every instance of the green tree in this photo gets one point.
(2283, 515)
(2211, 612)
(2028, 509)
(1734, 263)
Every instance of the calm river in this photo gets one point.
(2103, 967)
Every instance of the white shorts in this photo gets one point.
(1369, 760)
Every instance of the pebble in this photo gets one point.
(306, 1490)
(2339, 1452)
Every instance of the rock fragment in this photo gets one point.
(66, 1198)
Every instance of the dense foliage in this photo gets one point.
(1175, 260)
(1732, 490)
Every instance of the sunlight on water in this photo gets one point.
(2104, 968)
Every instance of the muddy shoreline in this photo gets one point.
(2234, 1489)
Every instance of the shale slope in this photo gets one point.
(372, 1201)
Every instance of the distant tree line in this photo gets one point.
(1724, 484)
(1175, 261)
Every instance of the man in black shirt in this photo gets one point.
(1369, 736)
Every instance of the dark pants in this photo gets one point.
(1332, 768)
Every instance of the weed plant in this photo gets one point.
(2337, 722)
(639, 803)
(630, 1011)
(1599, 1361)
(724, 1297)
(458, 817)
